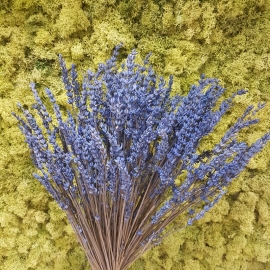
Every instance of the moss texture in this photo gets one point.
(227, 39)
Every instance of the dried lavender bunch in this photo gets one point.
(112, 163)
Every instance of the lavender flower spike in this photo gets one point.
(112, 162)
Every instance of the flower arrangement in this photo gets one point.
(112, 162)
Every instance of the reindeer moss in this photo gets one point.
(227, 39)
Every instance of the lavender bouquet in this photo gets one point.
(112, 162)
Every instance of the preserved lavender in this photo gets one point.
(112, 160)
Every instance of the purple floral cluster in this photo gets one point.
(112, 160)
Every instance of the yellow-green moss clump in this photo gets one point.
(227, 39)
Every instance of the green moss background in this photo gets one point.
(227, 39)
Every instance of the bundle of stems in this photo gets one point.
(113, 162)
